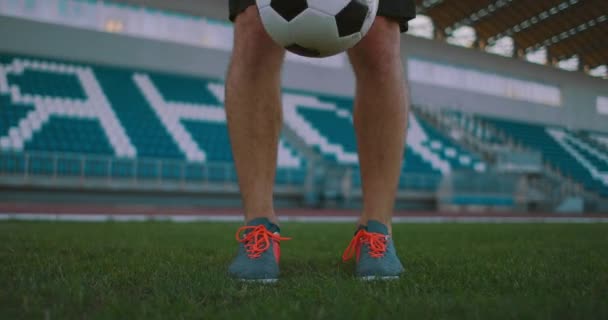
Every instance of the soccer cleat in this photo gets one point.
(259, 252)
(375, 252)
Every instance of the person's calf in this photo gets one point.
(380, 117)
(253, 110)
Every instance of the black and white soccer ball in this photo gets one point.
(317, 28)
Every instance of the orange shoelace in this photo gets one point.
(257, 241)
(375, 241)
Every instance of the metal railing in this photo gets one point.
(422, 182)
(142, 171)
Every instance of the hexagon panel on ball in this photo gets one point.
(351, 19)
(276, 26)
(289, 9)
(316, 31)
(331, 7)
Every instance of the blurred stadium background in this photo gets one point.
(117, 107)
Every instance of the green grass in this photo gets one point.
(174, 271)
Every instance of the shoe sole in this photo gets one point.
(263, 281)
(379, 278)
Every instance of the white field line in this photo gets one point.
(305, 219)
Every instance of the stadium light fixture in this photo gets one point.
(478, 15)
(569, 33)
(427, 4)
(504, 47)
(538, 56)
(534, 20)
(422, 26)
(600, 71)
(464, 36)
(570, 64)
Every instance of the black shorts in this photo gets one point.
(400, 10)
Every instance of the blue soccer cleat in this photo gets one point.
(259, 252)
(375, 253)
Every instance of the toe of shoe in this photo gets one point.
(380, 268)
(253, 271)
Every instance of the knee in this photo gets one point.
(252, 45)
(379, 51)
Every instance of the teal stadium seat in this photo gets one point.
(123, 168)
(96, 167)
(48, 84)
(185, 89)
(597, 140)
(449, 150)
(595, 157)
(211, 137)
(142, 125)
(65, 135)
(336, 128)
(11, 113)
(171, 170)
(13, 163)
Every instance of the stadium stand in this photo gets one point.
(70, 119)
(154, 125)
(471, 124)
(451, 151)
(595, 157)
(596, 140)
(560, 148)
(327, 126)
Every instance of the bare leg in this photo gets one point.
(253, 107)
(380, 117)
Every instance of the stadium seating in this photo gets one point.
(134, 124)
(561, 148)
(469, 123)
(445, 147)
(595, 139)
(69, 135)
(326, 123)
(73, 119)
(70, 119)
(596, 158)
(10, 114)
(35, 82)
(141, 124)
(185, 89)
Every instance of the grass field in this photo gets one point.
(174, 271)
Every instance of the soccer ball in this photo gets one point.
(317, 28)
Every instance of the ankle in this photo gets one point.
(364, 221)
(270, 216)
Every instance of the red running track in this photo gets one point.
(25, 211)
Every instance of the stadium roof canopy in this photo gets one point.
(564, 29)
